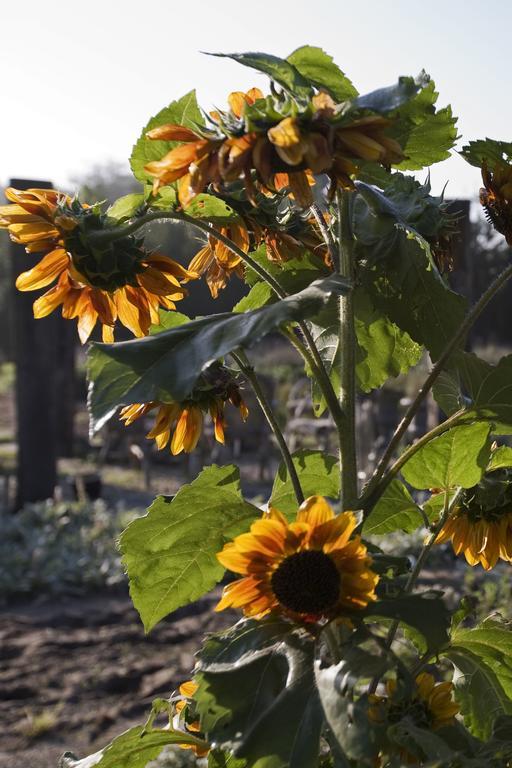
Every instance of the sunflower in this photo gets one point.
(277, 152)
(215, 387)
(481, 523)
(184, 720)
(496, 197)
(118, 281)
(217, 262)
(431, 705)
(310, 569)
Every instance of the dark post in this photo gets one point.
(35, 356)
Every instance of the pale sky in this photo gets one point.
(81, 79)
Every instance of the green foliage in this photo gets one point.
(125, 207)
(170, 553)
(278, 725)
(184, 111)
(318, 474)
(279, 70)
(167, 365)
(132, 749)
(483, 674)
(321, 71)
(459, 457)
(395, 510)
(487, 151)
(213, 209)
(385, 100)
(424, 612)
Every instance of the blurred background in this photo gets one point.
(80, 82)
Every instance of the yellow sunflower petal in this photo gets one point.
(43, 273)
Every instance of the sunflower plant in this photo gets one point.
(339, 655)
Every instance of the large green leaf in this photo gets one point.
(482, 658)
(184, 111)
(170, 553)
(487, 151)
(424, 612)
(387, 99)
(395, 510)
(134, 748)
(383, 349)
(318, 474)
(261, 703)
(319, 68)
(459, 457)
(501, 458)
(167, 365)
(125, 207)
(279, 70)
(212, 208)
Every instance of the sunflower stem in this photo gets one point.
(248, 371)
(413, 409)
(347, 343)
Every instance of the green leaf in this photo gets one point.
(262, 703)
(185, 112)
(386, 100)
(321, 71)
(419, 742)
(134, 748)
(169, 319)
(259, 295)
(501, 458)
(292, 275)
(383, 349)
(395, 510)
(318, 474)
(170, 553)
(279, 70)
(214, 209)
(459, 457)
(238, 643)
(487, 151)
(167, 365)
(426, 135)
(348, 721)
(125, 207)
(483, 675)
(424, 612)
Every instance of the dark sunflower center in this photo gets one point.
(416, 710)
(307, 582)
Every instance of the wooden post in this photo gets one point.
(35, 357)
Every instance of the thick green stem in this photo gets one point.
(450, 348)
(248, 371)
(347, 339)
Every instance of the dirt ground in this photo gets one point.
(76, 672)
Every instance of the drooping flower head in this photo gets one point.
(310, 569)
(181, 424)
(496, 197)
(480, 526)
(431, 705)
(272, 144)
(117, 280)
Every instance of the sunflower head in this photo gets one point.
(108, 266)
(310, 569)
(481, 525)
(496, 197)
(185, 718)
(429, 705)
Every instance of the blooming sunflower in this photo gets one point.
(431, 705)
(277, 152)
(481, 523)
(184, 720)
(215, 387)
(496, 197)
(118, 281)
(310, 569)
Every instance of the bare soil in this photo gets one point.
(76, 672)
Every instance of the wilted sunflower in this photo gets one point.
(217, 262)
(496, 197)
(431, 705)
(116, 281)
(184, 720)
(481, 525)
(310, 569)
(281, 152)
(185, 420)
